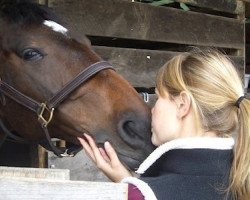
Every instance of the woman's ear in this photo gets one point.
(184, 104)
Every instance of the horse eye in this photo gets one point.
(31, 55)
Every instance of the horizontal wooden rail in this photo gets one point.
(54, 184)
(233, 6)
(139, 21)
(139, 66)
(28, 188)
(56, 174)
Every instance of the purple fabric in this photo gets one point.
(134, 193)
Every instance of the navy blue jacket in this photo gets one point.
(190, 174)
(186, 169)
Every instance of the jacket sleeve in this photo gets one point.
(146, 192)
(134, 193)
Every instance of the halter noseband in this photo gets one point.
(50, 105)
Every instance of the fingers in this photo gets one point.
(104, 155)
(97, 155)
(105, 159)
(111, 154)
(95, 150)
(87, 148)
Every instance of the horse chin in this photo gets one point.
(129, 162)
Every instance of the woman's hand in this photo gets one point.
(106, 160)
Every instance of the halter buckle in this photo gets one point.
(40, 113)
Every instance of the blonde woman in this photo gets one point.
(200, 124)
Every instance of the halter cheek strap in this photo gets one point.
(47, 108)
(237, 103)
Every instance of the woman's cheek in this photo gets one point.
(154, 138)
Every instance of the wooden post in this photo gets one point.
(38, 156)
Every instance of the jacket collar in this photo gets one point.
(186, 143)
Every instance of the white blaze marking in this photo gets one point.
(55, 26)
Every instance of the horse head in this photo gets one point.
(39, 56)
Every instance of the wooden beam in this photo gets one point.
(24, 188)
(44, 2)
(18, 172)
(139, 66)
(233, 6)
(138, 21)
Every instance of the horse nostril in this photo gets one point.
(130, 129)
(132, 132)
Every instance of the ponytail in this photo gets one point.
(239, 185)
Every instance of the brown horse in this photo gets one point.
(54, 85)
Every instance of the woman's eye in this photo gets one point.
(31, 55)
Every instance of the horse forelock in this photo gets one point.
(56, 27)
(26, 12)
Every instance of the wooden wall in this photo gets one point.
(138, 38)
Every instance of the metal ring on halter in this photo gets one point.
(41, 118)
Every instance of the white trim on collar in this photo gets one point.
(186, 143)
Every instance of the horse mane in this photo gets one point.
(25, 12)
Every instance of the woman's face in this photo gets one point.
(165, 121)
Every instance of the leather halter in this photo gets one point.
(50, 105)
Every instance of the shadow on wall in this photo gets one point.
(13, 154)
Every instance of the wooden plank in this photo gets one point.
(122, 19)
(25, 188)
(139, 66)
(239, 63)
(44, 2)
(232, 6)
(56, 174)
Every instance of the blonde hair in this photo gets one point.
(214, 86)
